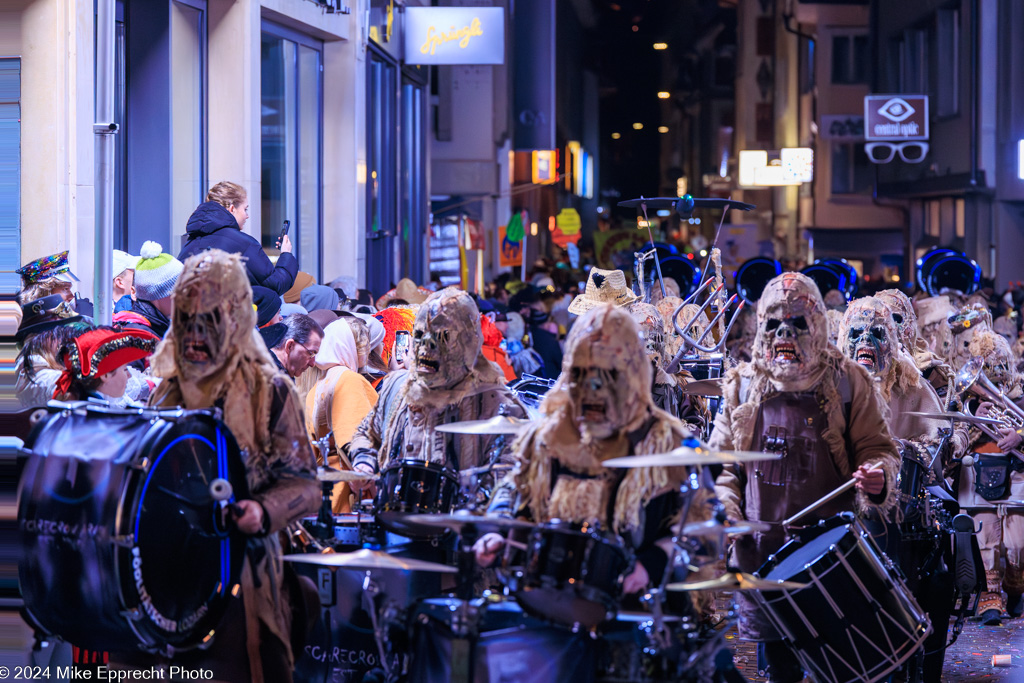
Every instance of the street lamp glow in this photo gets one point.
(616, 136)
(638, 126)
(662, 129)
(663, 95)
(661, 46)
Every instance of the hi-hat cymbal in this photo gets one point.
(499, 424)
(956, 417)
(457, 522)
(703, 387)
(713, 527)
(328, 474)
(685, 455)
(736, 581)
(371, 559)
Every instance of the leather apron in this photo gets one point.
(791, 424)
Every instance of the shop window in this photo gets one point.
(413, 200)
(291, 127)
(10, 174)
(382, 256)
(851, 169)
(188, 93)
(947, 62)
(850, 59)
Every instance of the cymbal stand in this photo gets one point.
(371, 589)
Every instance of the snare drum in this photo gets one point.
(122, 543)
(573, 574)
(414, 486)
(857, 621)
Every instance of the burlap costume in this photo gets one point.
(449, 381)
(558, 472)
(935, 369)
(1001, 519)
(796, 377)
(213, 306)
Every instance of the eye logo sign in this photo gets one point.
(896, 110)
(896, 117)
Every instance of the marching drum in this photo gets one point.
(414, 486)
(123, 545)
(856, 621)
(573, 574)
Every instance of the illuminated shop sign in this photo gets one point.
(788, 166)
(454, 35)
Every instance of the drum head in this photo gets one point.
(793, 562)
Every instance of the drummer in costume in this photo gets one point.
(801, 397)
(213, 356)
(935, 369)
(449, 380)
(600, 408)
(869, 336)
(992, 489)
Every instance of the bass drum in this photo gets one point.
(123, 549)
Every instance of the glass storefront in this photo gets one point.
(291, 136)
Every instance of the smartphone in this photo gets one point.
(284, 228)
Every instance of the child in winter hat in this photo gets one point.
(156, 272)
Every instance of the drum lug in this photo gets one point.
(126, 541)
(133, 614)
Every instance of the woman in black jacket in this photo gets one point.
(217, 224)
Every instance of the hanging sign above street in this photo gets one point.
(454, 35)
(896, 117)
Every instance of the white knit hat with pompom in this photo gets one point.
(156, 273)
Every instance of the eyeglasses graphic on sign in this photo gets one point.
(884, 152)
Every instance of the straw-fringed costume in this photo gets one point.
(800, 396)
(213, 311)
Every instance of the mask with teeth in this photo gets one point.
(1000, 361)
(446, 339)
(213, 315)
(792, 330)
(868, 335)
(652, 331)
(606, 372)
(903, 315)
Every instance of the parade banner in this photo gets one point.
(511, 253)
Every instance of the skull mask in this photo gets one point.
(868, 335)
(213, 313)
(609, 378)
(903, 315)
(446, 339)
(1000, 361)
(652, 331)
(792, 330)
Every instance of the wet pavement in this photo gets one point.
(969, 660)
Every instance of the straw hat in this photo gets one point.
(603, 287)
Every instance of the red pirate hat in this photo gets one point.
(98, 352)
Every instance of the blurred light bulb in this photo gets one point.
(638, 126)
(662, 129)
(663, 95)
(661, 46)
(616, 136)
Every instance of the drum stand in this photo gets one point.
(323, 528)
(371, 589)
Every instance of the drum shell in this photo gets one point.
(572, 576)
(417, 487)
(97, 536)
(913, 496)
(842, 625)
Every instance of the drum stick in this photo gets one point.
(824, 499)
(515, 544)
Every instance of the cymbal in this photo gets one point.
(370, 559)
(736, 581)
(457, 522)
(328, 474)
(703, 387)
(499, 424)
(685, 455)
(484, 469)
(713, 527)
(957, 417)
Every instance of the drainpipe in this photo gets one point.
(104, 130)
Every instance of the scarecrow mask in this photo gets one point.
(212, 313)
(652, 331)
(446, 339)
(1000, 361)
(903, 315)
(965, 325)
(792, 330)
(609, 378)
(868, 335)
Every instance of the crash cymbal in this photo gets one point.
(457, 522)
(736, 581)
(497, 467)
(371, 559)
(713, 527)
(690, 456)
(499, 424)
(957, 417)
(328, 474)
(703, 387)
